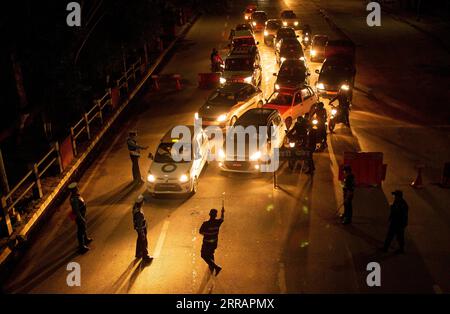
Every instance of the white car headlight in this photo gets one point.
(284, 23)
(246, 17)
(315, 121)
(196, 116)
(306, 38)
(222, 80)
(345, 87)
(248, 79)
(221, 154)
(255, 156)
(184, 178)
(150, 178)
(222, 117)
(313, 52)
(296, 23)
(277, 87)
(333, 111)
(282, 59)
(320, 86)
(254, 23)
(292, 144)
(266, 33)
(302, 58)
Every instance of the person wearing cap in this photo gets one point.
(79, 211)
(135, 152)
(398, 220)
(140, 225)
(210, 232)
(348, 189)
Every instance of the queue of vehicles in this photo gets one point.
(240, 102)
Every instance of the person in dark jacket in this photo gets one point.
(348, 189)
(140, 225)
(398, 221)
(79, 212)
(210, 232)
(135, 153)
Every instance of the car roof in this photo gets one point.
(285, 28)
(256, 116)
(339, 59)
(231, 88)
(243, 33)
(320, 36)
(287, 11)
(167, 138)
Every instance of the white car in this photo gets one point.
(170, 175)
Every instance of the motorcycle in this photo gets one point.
(306, 40)
(316, 134)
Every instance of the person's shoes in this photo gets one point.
(218, 269)
(83, 249)
(89, 240)
(400, 251)
(147, 259)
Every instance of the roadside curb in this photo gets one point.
(7, 253)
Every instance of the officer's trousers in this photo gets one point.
(141, 244)
(207, 254)
(395, 231)
(81, 233)
(135, 168)
(348, 206)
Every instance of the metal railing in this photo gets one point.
(32, 181)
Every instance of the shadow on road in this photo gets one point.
(126, 280)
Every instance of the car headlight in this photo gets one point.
(282, 59)
(222, 118)
(222, 80)
(266, 33)
(315, 121)
(246, 17)
(255, 156)
(292, 144)
(306, 38)
(313, 52)
(221, 154)
(320, 86)
(333, 111)
(296, 23)
(248, 79)
(196, 116)
(345, 87)
(254, 23)
(277, 87)
(302, 58)
(150, 178)
(284, 23)
(184, 178)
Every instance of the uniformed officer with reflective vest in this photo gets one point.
(210, 232)
(135, 152)
(348, 189)
(79, 212)
(140, 225)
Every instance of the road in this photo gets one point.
(272, 241)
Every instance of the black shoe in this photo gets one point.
(83, 249)
(89, 240)
(147, 259)
(218, 269)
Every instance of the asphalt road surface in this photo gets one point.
(272, 241)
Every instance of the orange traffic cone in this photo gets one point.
(417, 183)
(155, 82)
(177, 78)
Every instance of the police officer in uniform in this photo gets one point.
(140, 225)
(135, 153)
(210, 232)
(79, 211)
(398, 221)
(348, 188)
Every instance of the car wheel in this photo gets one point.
(233, 120)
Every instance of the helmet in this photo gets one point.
(73, 186)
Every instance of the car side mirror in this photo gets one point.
(150, 156)
(274, 74)
(317, 71)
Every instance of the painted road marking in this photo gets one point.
(161, 239)
(282, 279)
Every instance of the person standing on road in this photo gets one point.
(140, 225)
(79, 212)
(348, 189)
(135, 152)
(398, 221)
(210, 232)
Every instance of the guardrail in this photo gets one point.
(32, 181)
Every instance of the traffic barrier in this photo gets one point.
(445, 183)
(177, 78)
(208, 80)
(155, 79)
(417, 183)
(367, 167)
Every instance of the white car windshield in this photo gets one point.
(164, 154)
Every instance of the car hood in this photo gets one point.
(212, 110)
(169, 170)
